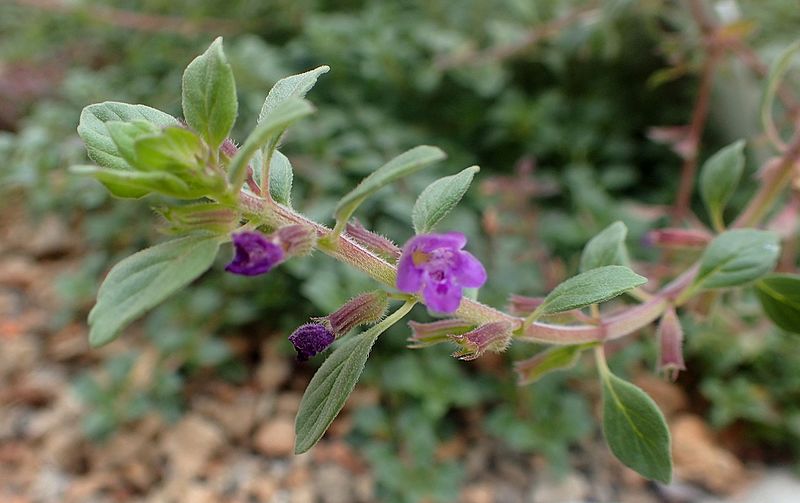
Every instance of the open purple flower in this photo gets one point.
(437, 265)
(255, 254)
(310, 339)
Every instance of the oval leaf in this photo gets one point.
(556, 358)
(404, 164)
(209, 95)
(736, 257)
(780, 297)
(93, 131)
(591, 287)
(280, 179)
(606, 248)
(330, 387)
(635, 429)
(719, 178)
(143, 280)
(439, 198)
(135, 184)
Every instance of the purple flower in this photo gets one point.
(310, 339)
(255, 254)
(437, 265)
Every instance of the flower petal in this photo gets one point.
(255, 254)
(469, 272)
(428, 242)
(409, 278)
(310, 339)
(442, 297)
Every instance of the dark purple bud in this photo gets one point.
(677, 238)
(310, 339)
(520, 305)
(428, 334)
(670, 336)
(297, 240)
(255, 254)
(494, 336)
(373, 242)
(360, 310)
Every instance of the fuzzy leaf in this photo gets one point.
(719, 178)
(591, 287)
(439, 198)
(141, 281)
(736, 257)
(281, 117)
(635, 429)
(294, 86)
(330, 387)
(125, 135)
(606, 248)
(209, 95)
(780, 297)
(94, 132)
(173, 150)
(280, 179)
(404, 164)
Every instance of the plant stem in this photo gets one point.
(348, 251)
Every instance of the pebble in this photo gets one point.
(275, 437)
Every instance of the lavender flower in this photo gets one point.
(255, 254)
(437, 265)
(310, 339)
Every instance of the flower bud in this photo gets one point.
(520, 305)
(255, 254)
(373, 242)
(228, 148)
(310, 339)
(296, 240)
(494, 336)
(428, 334)
(670, 337)
(360, 310)
(677, 238)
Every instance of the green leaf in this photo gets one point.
(780, 297)
(209, 95)
(439, 198)
(280, 179)
(125, 135)
(635, 429)
(776, 73)
(335, 380)
(606, 248)
(281, 117)
(719, 178)
(141, 281)
(294, 86)
(94, 132)
(173, 150)
(736, 257)
(135, 184)
(550, 360)
(591, 287)
(404, 164)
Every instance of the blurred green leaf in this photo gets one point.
(294, 86)
(209, 95)
(439, 198)
(606, 248)
(780, 297)
(776, 73)
(556, 358)
(736, 257)
(719, 178)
